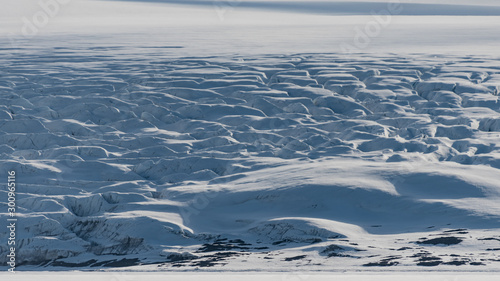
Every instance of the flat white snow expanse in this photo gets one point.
(222, 142)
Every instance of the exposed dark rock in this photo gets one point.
(117, 263)
(388, 261)
(180, 257)
(430, 263)
(295, 258)
(239, 242)
(70, 264)
(456, 262)
(456, 230)
(442, 240)
(282, 242)
(489, 239)
(220, 246)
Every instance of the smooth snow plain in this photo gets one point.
(167, 149)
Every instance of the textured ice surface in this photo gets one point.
(253, 162)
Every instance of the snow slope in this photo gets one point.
(230, 144)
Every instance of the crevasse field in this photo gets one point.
(234, 136)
